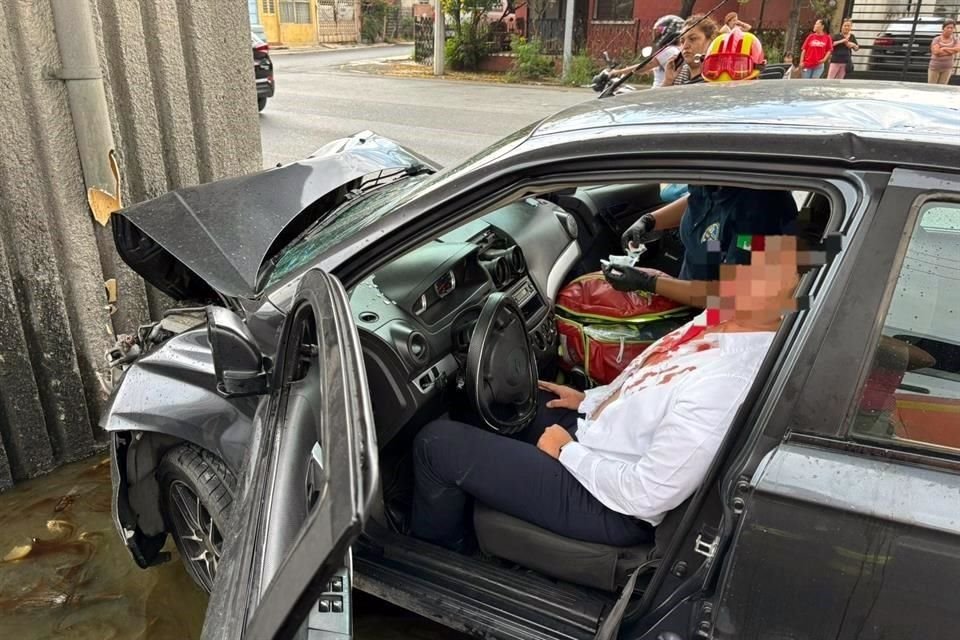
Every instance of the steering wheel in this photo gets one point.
(501, 371)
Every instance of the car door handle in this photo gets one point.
(914, 389)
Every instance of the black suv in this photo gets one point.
(262, 70)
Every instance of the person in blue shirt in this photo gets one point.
(710, 219)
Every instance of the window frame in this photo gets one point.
(293, 7)
(615, 19)
(826, 402)
(921, 201)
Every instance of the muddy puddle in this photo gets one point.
(64, 573)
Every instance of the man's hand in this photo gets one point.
(624, 278)
(640, 232)
(553, 439)
(567, 397)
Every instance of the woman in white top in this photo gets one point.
(643, 443)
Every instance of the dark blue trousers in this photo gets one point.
(455, 463)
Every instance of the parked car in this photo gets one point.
(262, 70)
(332, 310)
(891, 46)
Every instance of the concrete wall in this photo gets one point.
(180, 93)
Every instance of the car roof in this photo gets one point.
(895, 109)
(848, 105)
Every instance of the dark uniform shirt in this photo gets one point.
(714, 218)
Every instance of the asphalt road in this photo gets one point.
(317, 101)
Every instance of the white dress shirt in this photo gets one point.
(650, 447)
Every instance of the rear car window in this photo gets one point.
(912, 393)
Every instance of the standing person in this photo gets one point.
(816, 49)
(693, 46)
(844, 44)
(943, 49)
(665, 32)
(732, 21)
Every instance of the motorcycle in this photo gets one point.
(604, 78)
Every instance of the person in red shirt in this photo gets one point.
(816, 49)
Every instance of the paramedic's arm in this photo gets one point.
(625, 278)
(689, 292)
(669, 216)
(679, 455)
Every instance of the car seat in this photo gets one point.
(584, 563)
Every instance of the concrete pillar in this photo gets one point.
(178, 80)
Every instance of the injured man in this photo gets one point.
(607, 464)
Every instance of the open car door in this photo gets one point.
(311, 474)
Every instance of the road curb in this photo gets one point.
(322, 49)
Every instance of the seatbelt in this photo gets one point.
(611, 626)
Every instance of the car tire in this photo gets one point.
(196, 495)
(261, 103)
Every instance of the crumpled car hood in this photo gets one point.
(217, 235)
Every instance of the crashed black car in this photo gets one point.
(330, 307)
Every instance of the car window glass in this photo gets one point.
(912, 393)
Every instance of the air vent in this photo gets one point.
(516, 260)
(569, 224)
(418, 347)
(410, 343)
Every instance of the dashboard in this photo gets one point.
(415, 315)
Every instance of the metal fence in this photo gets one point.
(423, 40)
(622, 40)
(895, 36)
(549, 32)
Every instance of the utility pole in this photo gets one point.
(439, 38)
(568, 38)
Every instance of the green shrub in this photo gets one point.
(371, 22)
(469, 41)
(465, 53)
(529, 63)
(582, 70)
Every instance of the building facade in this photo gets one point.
(623, 27)
(305, 23)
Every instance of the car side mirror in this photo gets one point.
(240, 367)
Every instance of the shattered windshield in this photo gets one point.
(352, 216)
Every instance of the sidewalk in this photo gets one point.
(285, 50)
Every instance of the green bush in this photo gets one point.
(529, 62)
(371, 24)
(465, 53)
(469, 42)
(582, 70)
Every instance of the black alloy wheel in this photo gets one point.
(197, 493)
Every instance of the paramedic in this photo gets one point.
(710, 217)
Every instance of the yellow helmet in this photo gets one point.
(733, 56)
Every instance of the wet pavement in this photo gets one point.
(64, 573)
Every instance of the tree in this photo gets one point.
(470, 25)
(793, 27)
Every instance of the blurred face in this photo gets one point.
(818, 26)
(846, 28)
(762, 289)
(949, 30)
(733, 18)
(692, 43)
